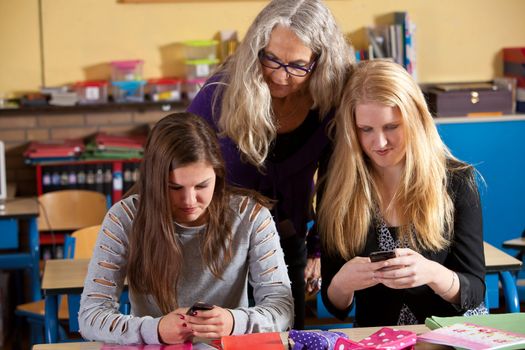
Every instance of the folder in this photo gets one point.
(259, 341)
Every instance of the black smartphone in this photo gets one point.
(382, 255)
(199, 306)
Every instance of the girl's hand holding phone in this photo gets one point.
(210, 323)
(408, 269)
(358, 273)
(382, 255)
(174, 328)
(198, 306)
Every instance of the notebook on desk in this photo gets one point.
(474, 337)
(511, 322)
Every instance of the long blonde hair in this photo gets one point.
(350, 191)
(246, 115)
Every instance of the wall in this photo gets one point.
(492, 147)
(456, 40)
(19, 46)
(17, 130)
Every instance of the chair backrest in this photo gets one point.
(81, 243)
(71, 209)
(322, 312)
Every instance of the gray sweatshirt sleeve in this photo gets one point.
(268, 275)
(99, 317)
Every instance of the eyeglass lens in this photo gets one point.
(289, 68)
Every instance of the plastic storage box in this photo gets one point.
(128, 91)
(200, 49)
(126, 70)
(200, 68)
(92, 92)
(164, 89)
(192, 87)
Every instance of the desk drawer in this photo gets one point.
(8, 233)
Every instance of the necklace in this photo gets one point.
(288, 116)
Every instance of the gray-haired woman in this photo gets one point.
(271, 102)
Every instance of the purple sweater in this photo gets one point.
(289, 181)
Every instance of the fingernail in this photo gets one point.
(181, 317)
(184, 325)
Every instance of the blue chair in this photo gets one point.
(63, 210)
(323, 313)
(78, 245)
(520, 275)
(33, 313)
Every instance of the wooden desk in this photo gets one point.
(69, 346)
(497, 260)
(15, 211)
(353, 333)
(65, 276)
(516, 243)
(61, 276)
(500, 264)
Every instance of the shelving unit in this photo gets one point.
(111, 177)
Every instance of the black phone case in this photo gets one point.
(199, 306)
(382, 255)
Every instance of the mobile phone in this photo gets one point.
(382, 255)
(199, 306)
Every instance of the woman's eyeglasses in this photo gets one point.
(291, 68)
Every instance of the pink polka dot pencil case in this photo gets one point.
(386, 339)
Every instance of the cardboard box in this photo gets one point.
(468, 99)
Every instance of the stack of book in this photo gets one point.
(105, 146)
(514, 67)
(53, 151)
(395, 39)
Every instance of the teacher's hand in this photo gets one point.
(312, 275)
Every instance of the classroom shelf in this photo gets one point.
(109, 176)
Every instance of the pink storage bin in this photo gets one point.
(128, 70)
(192, 87)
